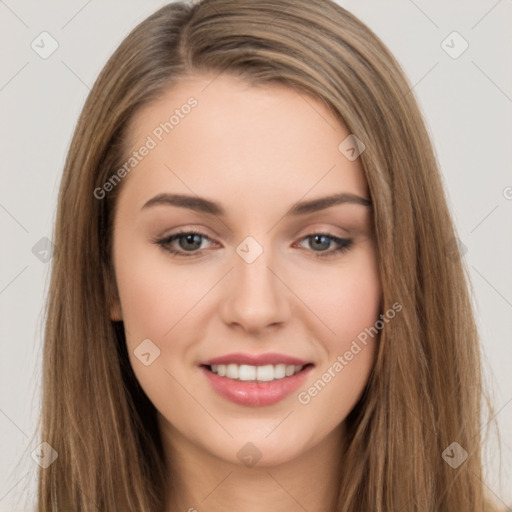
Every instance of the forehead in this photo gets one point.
(221, 135)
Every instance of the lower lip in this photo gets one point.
(256, 394)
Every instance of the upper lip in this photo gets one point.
(256, 360)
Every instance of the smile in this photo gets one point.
(256, 385)
(245, 372)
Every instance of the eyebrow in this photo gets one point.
(203, 205)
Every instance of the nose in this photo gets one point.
(255, 296)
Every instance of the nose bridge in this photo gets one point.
(257, 297)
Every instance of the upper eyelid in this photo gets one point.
(348, 233)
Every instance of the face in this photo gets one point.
(241, 313)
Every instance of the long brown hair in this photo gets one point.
(425, 391)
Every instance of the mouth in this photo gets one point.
(252, 373)
(255, 385)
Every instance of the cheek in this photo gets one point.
(157, 300)
(347, 299)
(350, 307)
(155, 293)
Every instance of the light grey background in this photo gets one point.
(466, 102)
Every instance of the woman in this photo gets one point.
(254, 304)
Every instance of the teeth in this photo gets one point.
(280, 371)
(232, 371)
(247, 372)
(290, 370)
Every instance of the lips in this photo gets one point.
(258, 383)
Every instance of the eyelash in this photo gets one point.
(344, 244)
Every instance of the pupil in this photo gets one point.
(190, 240)
(325, 245)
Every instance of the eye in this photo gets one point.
(190, 242)
(322, 241)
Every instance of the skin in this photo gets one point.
(256, 151)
